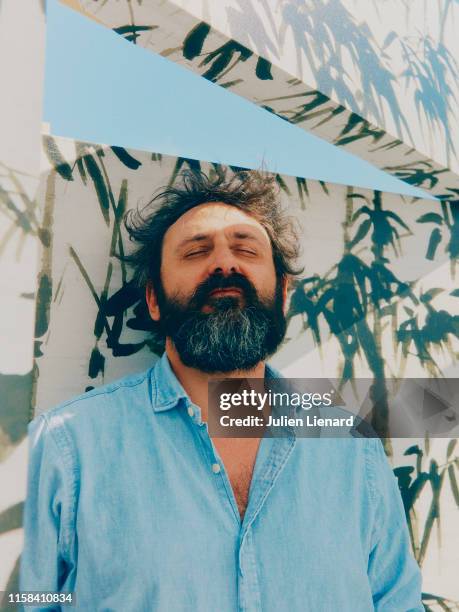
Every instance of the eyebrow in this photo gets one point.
(195, 238)
(203, 237)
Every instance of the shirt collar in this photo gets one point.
(167, 391)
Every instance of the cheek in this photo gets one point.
(266, 283)
(170, 277)
(178, 281)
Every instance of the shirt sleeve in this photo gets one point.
(394, 575)
(47, 562)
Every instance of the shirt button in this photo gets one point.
(216, 469)
(190, 411)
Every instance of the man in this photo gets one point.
(133, 506)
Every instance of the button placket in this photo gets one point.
(194, 412)
(249, 586)
(273, 467)
(216, 466)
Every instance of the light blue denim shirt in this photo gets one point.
(129, 506)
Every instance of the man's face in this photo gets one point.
(220, 301)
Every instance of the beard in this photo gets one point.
(238, 332)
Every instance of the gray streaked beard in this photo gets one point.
(231, 337)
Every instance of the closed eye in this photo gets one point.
(247, 251)
(199, 252)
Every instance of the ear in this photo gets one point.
(285, 286)
(152, 302)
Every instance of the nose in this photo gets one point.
(223, 262)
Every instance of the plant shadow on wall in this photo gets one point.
(356, 301)
(431, 68)
(324, 32)
(326, 36)
(20, 223)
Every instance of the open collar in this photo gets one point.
(167, 391)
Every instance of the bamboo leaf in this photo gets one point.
(323, 184)
(416, 489)
(352, 122)
(394, 216)
(131, 32)
(122, 200)
(430, 294)
(361, 232)
(263, 69)
(125, 158)
(441, 601)
(21, 219)
(389, 39)
(431, 218)
(229, 84)
(85, 275)
(56, 159)
(221, 58)
(432, 515)
(11, 518)
(404, 478)
(363, 210)
(434, 241)
(124, 350)
(81, 170)
(101, 322)
(123, 299)
(99, 184)
(282, 184)
(413, 450)
(302, 186)
(454, 486)
(129, 29)
(193, 43)
(96, 363)
(44, 296)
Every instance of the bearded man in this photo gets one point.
(134, 506)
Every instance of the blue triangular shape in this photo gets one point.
(101, 88)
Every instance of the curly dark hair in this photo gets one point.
(253, 192)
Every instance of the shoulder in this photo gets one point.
(97, 404)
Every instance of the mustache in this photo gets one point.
(218, 281)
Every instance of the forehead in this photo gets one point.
(211, 218)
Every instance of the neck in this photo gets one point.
(196, 382)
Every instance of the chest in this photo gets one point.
(167, 515)
(239, 456)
